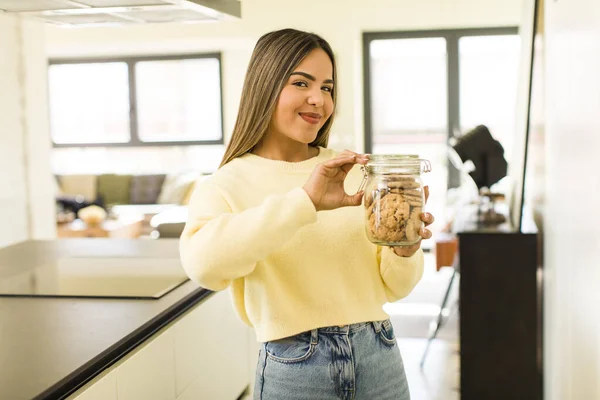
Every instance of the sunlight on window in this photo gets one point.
(179, 100)
(89, 103)
(408, 86)
(488, 85)
(409, 107)
(409, 92)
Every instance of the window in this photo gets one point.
(89, 103)
(422, 87)
(488, 78)
(408, 87)
(144, 101)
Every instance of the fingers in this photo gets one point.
(344, 160)
(425, 233)
(361, 158)
(427, 218)
(350, 152)
(354, 200)
(406, 251)
(339, 161)
(426, 190)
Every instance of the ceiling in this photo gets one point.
(69, 13)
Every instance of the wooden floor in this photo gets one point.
(439, 378)
(412, 319)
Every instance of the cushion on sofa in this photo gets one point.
(78, 185)
(175, 188)
(145, 189)
(114, 189)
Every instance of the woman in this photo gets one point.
(275, 224)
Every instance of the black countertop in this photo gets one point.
(467, 222)
(49, 347)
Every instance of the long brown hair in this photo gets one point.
(274, 58)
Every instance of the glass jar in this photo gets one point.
(394, 198)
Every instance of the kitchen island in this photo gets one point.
(179, 345)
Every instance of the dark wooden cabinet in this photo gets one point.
(500, 312)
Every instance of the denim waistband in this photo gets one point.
(346, 329)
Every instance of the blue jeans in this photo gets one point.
(359, 361)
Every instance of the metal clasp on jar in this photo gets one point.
(365, 171)
(426, 166)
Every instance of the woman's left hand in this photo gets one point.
(427, 218)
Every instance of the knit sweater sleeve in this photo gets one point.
(218, 245)
(400, 274)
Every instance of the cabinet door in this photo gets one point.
(150, 373)
(204, 354)
(102, 388)
(18, 283)
(211, 351)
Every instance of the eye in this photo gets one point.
(328, 89)
(300, 84)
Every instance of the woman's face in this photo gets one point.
(305, 103)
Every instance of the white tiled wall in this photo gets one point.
(26, 194)
(13, 215)
(37, 144)
(572, 216)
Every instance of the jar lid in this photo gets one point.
(394, 163)
(393, 159)
(399, 160)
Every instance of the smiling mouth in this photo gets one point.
(311, 118)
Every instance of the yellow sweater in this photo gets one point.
(253, 228)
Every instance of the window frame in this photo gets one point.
(452, 37)
(131, 61)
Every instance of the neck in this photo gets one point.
(291, 151)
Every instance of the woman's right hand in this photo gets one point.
(325, 186)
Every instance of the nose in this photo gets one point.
(315, 98)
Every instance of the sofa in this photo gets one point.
(148, 195)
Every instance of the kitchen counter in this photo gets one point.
(51, 346)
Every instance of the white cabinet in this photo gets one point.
(18, 283)
(204, 354)
(222, 355)
(104, 387)
(149, 374)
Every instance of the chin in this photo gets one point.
(301, 139)
(305, 137)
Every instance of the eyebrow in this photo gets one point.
(309, 76)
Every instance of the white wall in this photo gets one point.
(341, 22)
(572, 217)
(26, 191)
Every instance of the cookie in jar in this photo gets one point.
(394, 198)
